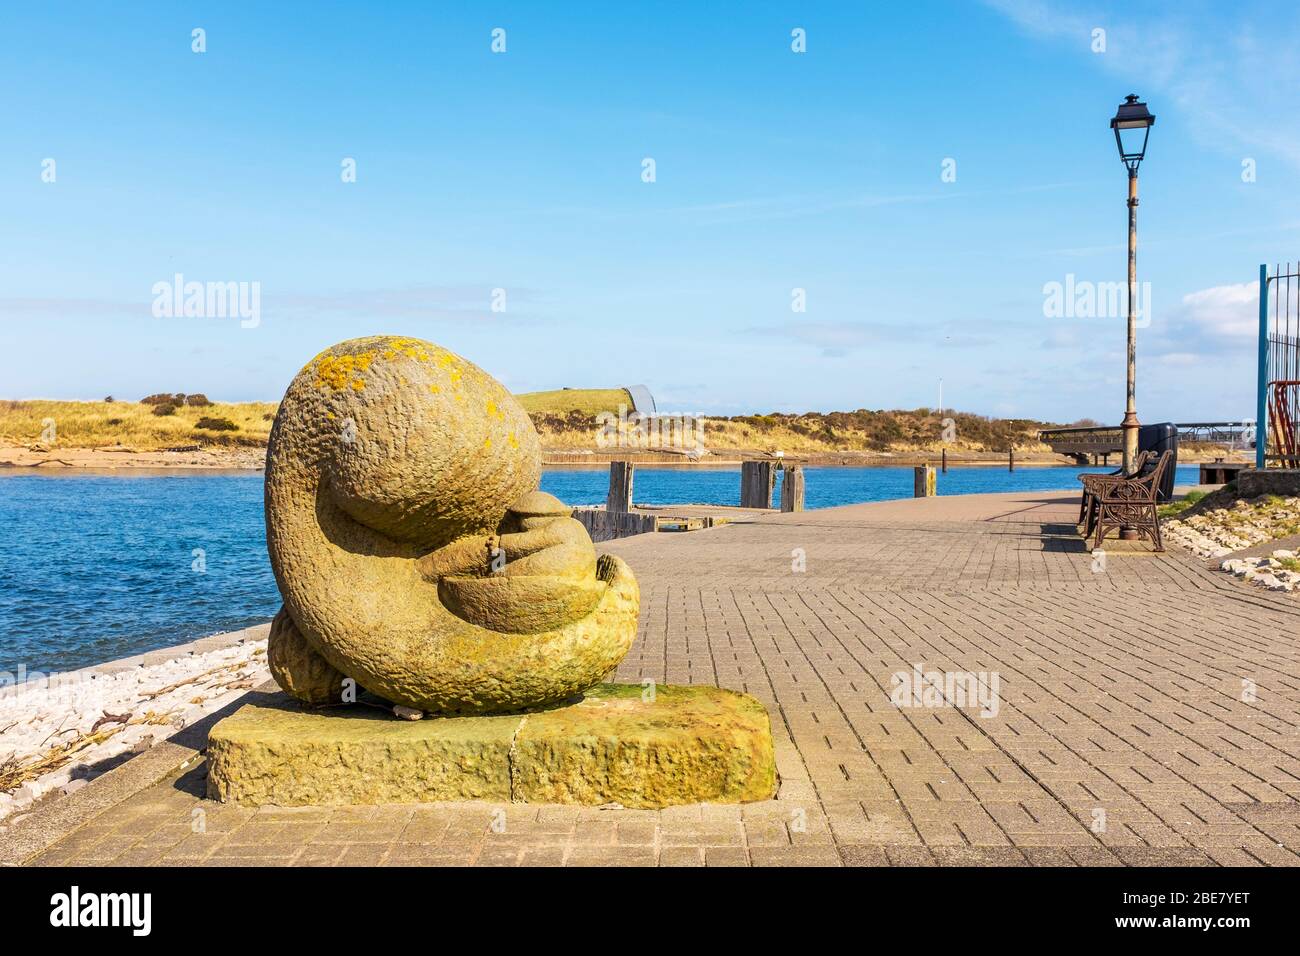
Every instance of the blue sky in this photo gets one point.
(774, 171)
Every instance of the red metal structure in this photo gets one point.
(1277, 438)
(1283, 409)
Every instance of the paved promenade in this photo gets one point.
(1147, 713)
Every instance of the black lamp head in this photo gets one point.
(1132, 125)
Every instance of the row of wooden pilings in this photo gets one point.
(943, 460)
(757, 481)
(758, 478)
(923, 478)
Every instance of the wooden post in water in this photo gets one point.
(756, 482)
(619, 500)
(944, 452)
(1011, 458)
(923, 481)
(792, 488)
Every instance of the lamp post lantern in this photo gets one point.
(1132, 125)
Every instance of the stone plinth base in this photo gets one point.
(621, 744)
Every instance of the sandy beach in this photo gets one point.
(29, 457)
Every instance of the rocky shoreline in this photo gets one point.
(59, 731)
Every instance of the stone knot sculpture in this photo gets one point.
(418, 560)
(413, 550)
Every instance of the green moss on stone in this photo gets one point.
(619, 744)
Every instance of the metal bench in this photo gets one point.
(1088, 503)
(1127, 502)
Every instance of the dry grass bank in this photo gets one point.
(588, 402)
(92, 425)
(133, 424)
(881, 432)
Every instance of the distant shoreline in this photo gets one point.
(20, 458)
(174, 431)
(17, 459)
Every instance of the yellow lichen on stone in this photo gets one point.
(411, 348)
(433, 474)
(385, 551)
(272, 752)
(623, 744)
(342, 371)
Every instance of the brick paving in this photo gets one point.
(1147, 712)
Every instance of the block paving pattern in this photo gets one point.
(1147, 713)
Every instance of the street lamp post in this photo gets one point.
(1132, 125)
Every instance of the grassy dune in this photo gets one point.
(105, 424)
(565, 419)
(589, 402)
(861, 431)
(895, 430)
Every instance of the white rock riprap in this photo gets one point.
(1219, 532)
(1196, 541)
(56, 730)
(1277, 572)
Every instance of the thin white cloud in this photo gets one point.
(1206, 71)
(1225, 311)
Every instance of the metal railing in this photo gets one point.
(1279, 366)
(1224, 433)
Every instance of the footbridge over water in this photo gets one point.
(1095, 444)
